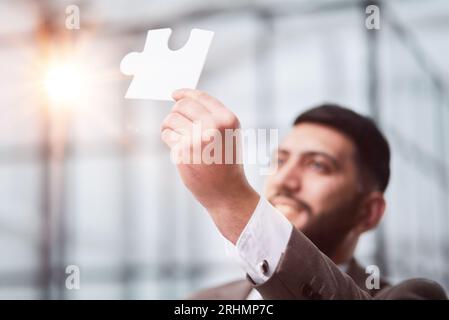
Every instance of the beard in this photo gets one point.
(328, 229)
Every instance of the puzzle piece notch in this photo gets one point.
(158, 70)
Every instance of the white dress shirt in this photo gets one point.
(264, 238)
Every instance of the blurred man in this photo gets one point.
(332, 172)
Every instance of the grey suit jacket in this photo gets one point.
(304, 272)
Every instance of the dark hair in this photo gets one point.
(371, 146)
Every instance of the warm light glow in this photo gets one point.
(64, 82)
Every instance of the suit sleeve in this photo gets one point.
(282, 263)
(304, 272)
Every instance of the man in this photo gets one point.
(333, 168)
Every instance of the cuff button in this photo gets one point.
(264, 268)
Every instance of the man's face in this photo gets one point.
(317, 185)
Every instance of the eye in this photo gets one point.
(281, 161)
(319, 166)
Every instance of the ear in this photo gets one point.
(372, 210)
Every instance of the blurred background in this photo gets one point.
(86, 181)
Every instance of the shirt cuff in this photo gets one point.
(262, 242)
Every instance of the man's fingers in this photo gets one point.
(209, 102)
(223, 116)
(192, 110)
(170, 137)
(176, 122)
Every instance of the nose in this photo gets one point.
(289, 176)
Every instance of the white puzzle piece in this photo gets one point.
(158, 71)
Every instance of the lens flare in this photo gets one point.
(64, 82)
